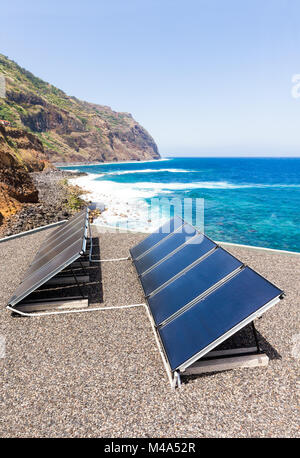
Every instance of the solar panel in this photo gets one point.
(81, 216)
(194, 250)
(56, 253)
(149, 242)
(64, 230)
(209, 322)
(204, 275)
(62, 244)
(165, 248)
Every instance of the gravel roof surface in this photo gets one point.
(100, 374)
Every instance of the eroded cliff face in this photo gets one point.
(46, 126)
(71, 130)
(20, 153)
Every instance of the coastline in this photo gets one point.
(124, 207)
(125, 203)
(79, 164)
(59, 201)
(241, 205)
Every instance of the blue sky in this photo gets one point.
(204, 77)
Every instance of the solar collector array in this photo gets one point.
(215, 315)
(156, 237)
(191, 284)
(197, 292)
(61, 248)
(195, 249)
(167, 246)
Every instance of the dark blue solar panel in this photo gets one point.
(164, 248)
(216, 314)
(155, 237)
(188, 254)
(191, 284)
(81, 216)
(57, 251)
(49, 245)
(39, 277)
(62, 245)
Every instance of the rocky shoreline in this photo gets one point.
(57, 201)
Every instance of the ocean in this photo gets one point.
(251, 201)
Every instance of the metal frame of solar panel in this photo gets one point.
(61, 248)
(198, 294)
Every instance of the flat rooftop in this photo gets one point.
(100, 374)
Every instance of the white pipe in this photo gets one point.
(61, 312)
(178, 380)
(174, 381)
(109, 260)
(168, 370)
(96, 309)
(102, 260)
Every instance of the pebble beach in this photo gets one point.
(53, 205)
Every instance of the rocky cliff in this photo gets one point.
(69, 129)
(20, 153)
(40, 124)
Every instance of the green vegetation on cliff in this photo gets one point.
(70, 130)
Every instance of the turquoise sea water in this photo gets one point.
(253, 201)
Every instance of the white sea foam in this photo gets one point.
(125, 202)
(128, 172)
(187, 185)
(154, 186)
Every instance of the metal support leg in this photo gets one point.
(82, 266)
(77, 282)
(255, 337)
